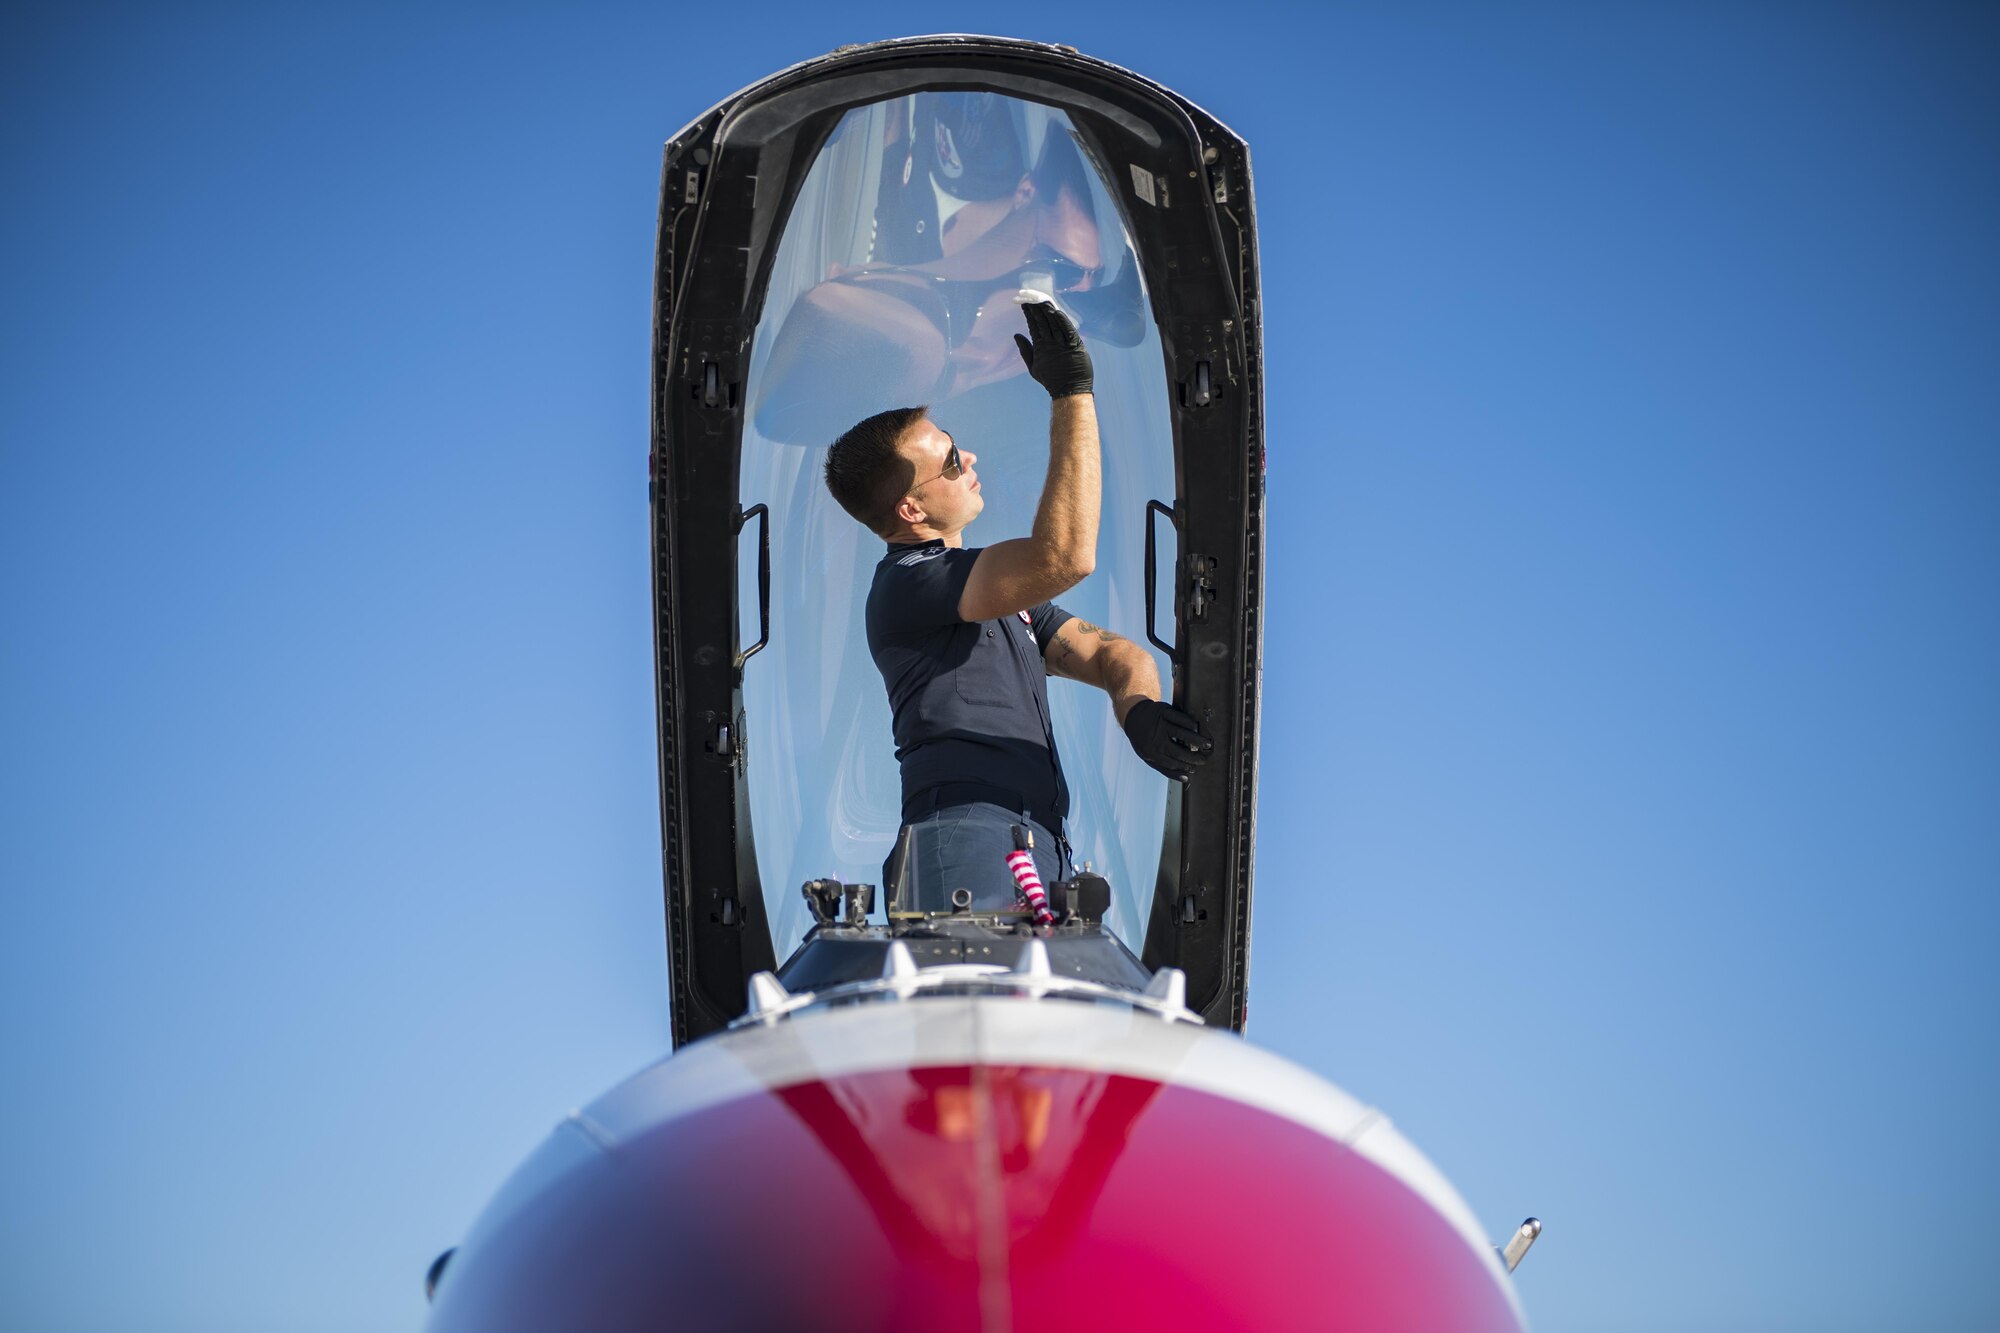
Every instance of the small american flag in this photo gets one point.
(1029, 884)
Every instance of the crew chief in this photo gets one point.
(965, 637)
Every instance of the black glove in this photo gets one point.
(1056, 357)
(1168, 739)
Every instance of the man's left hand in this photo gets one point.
(1169, 740)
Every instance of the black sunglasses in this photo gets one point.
(950, 473)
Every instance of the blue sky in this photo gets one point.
(1628, 827)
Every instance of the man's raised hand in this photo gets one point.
(1056, 357)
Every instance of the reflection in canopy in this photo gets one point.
(894, 284)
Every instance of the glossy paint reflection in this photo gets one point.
(970, 1165)
(976, 1197)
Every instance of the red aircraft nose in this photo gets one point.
(970, 1196)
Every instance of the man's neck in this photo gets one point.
(918, 536)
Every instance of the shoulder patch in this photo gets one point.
(920, 555)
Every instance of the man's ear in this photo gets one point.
(908, 511)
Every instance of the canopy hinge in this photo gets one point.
(1198, 389)
(709, 388)
(1200, 571)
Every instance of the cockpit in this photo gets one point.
(857, 234)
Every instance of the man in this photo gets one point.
(965, 637)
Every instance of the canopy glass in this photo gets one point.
(894, 284)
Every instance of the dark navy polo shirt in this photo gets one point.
(969, 701)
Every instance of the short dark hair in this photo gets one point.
(864, 471)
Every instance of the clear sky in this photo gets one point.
(1631, 787)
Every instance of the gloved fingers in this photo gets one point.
(1054, 354)
(1184, 730)
(1050, 326)
(1060, 328)
(1033, 313)
(1178, 745)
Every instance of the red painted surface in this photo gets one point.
(977, 1198)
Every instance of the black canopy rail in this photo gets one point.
(728, 182)
(762, 513)
(1172, 650)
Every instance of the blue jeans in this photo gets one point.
(965, 847)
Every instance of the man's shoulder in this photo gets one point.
(924, 559)
(918, 585)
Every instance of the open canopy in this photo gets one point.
(848, 236)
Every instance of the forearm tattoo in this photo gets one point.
(1068, 662)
